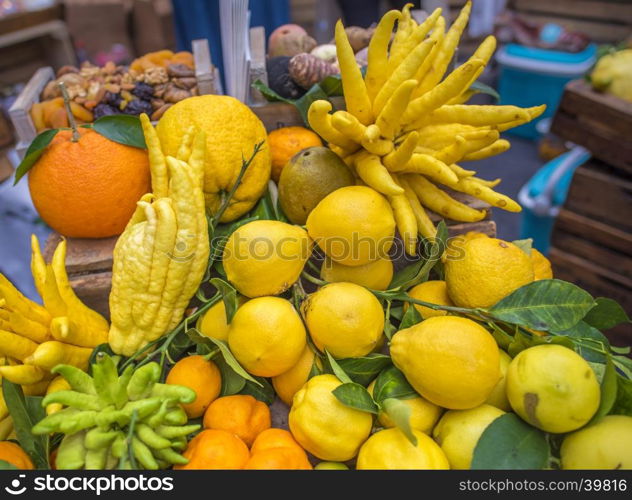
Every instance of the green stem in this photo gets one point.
(312, 279)
(404, 297)
(71, 117)
(128, 439)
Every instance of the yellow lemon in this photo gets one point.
(452, 362)
(323, 425)
(606, 444)
(458, 431)
(345, 319)
(389, 449)
(288, 383)
(265, 257)
(498, 396)
(376, 275)
(354, 225)
(267, 336)
(232, 130)
(423, 414)
(433, 291)
(552, 388)
(487, 270)
(213, 323)
(541, 266)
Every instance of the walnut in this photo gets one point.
(154, 76)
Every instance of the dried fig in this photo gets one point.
(179, 71)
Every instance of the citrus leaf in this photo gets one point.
(34, 151)
(332, 85)
(264, 392)
(585, 338)
(608, 391)
(197, 338)
(391, 383)
(549, 305)
(363, 370)
(522, 341)
(481, 88)
(337, 370)
(124, 129)
(525, 245)
(268, 93)
(623, 403)
(606, 314)
(399, 413)
(264, 210)
(26, 412)
(302, 104)
(232, 383)
(411, 317)
(4, 465)
(624, 365)
(510, 443)
(355, 396)
(229, 296)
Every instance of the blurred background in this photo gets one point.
(583, 222)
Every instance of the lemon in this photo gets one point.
(498, 396)
(389, 449)
(267, 336)
(452, 362)
(323, 425)
(376, 275)
(288, 383)
(606, 444)
(330, 466)
(541, 266)
(344, 318)
(487, 270)
(458, 431)
(423, 414)
(354, 225)
(232, 130)
(435, 292)
(552, 388)
(213, 323)
(265, 257)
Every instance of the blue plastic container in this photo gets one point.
(531, 76)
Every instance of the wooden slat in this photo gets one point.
(83, 255)
(94, 290)
(597, 31)
(586, 9)
(279, 114)
(257, 64)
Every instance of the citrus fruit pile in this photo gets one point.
(271, 324)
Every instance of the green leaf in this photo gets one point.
(608, 391)
(399, 413)
(232, 383)
(229, 296)
(510, 443)
(525, 245)
(305, 101)
(397, 312)
(34, 151)
(624, 365)
(502, 338)
(337, 370)
(522, 341)
(391, 383)
(268, 93)
(363, 370)
(355, 396)
(332, 85)
(264, 210)
(124, 129)
(623, 403)
(481, 88)
(411, 317)
(549, 305)
(26, 412)
(606, 314)
(263, 392)
(4, 465)
(198, 338)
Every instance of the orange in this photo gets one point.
(202, 376)
(88, 188)
(240, 414)
(12, 453)
(277, 449)
(285, 142)
(215, 449)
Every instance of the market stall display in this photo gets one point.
(327, 321)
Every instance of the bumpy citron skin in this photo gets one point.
(488, 270)
(389, 449)
(606, 444)
(288, 383)
(354, 225)
(452, 362)
(265, 257)
(345, 319)
(458, 431)
(323, 425)
(232, 130)
(435, 292)
(498, 396)
(376, 275)
(552, 388)
(267, 336)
